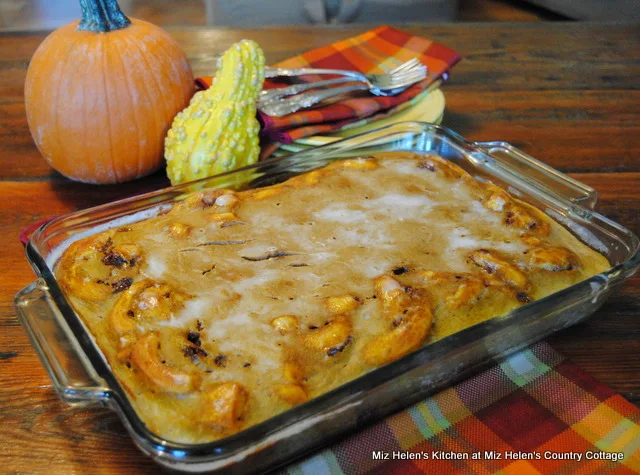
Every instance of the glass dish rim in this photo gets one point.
(221, 448)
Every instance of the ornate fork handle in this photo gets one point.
(302, 101)
(275, 72)
(273, 94)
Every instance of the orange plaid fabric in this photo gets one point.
(374, 51)
(534, 413)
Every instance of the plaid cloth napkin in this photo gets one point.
(535, 413)
(372, 52)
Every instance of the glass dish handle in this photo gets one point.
(73, 378)
(543, 175)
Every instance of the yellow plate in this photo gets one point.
(429, 109)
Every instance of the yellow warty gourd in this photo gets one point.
(218, 131)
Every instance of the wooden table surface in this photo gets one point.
(566, 93)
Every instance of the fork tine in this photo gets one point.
(407, 78)
(399, 76)
(414, 72)
(400, 68)
(408, 75)
(419, 71)
(415, 63)
(411, 70)
(409, 81)
(404, 66)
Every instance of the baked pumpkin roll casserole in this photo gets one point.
(236, 306)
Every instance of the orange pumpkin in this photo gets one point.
(101, 93)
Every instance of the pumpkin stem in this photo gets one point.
(101, 16)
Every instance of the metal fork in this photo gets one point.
(387, 84)
(273, 94)
(358, 76)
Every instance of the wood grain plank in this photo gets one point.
(567, 95)
(573, 131)
(42, 435)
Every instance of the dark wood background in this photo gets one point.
(566, 93)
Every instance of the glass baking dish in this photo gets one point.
(82, 376)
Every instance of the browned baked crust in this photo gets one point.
(234, 307)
